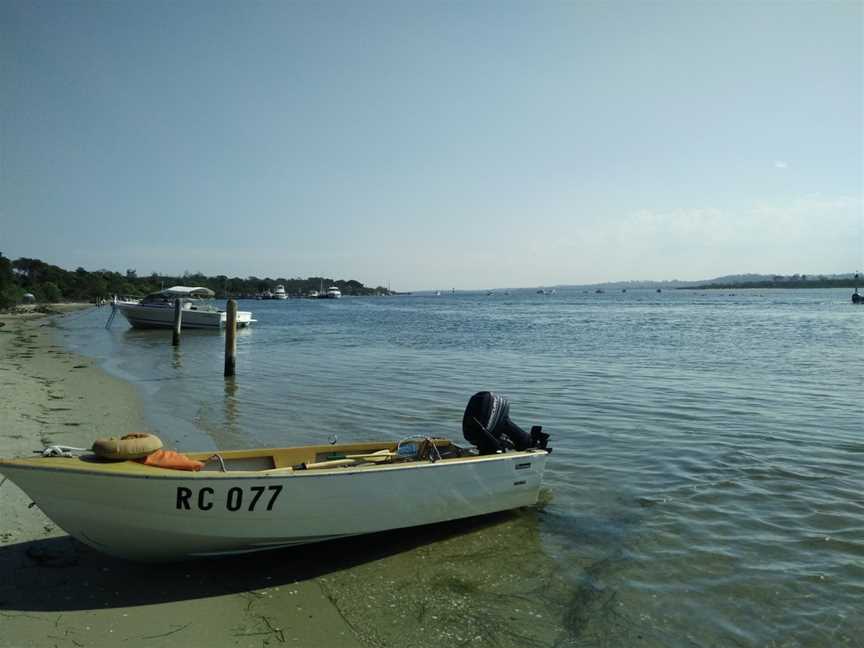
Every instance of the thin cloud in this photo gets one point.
(780, 164)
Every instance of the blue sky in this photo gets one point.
(434, 144)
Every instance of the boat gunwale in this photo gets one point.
(272, 473)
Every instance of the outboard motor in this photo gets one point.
(487, 425)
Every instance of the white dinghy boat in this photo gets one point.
(252, 500)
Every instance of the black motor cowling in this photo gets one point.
(487, 425)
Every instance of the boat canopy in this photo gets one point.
(186, 291)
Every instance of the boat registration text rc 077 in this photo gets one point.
(254, 498)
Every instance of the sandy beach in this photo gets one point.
(56, 591)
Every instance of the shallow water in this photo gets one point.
(706, 485)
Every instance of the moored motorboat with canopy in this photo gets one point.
(156, 310)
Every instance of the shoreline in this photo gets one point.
(59, 589)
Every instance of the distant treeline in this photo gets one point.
(50, 283)
(801, 282)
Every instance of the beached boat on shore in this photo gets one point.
(252, 500)
(156, 310)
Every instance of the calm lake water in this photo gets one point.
(707, 482)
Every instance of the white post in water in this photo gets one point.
(230, 338)
(178, 322)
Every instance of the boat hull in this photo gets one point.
(174, 515)
(140, 316)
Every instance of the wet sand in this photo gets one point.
(57, 591)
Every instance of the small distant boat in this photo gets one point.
(156, 310)
(599, 291)
(279, 292)
(216, 504)
(333, 292)
(856, 297)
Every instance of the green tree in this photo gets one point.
(10, 293)
(50, 292)
(96, 286)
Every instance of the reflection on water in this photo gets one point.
(231, 406)
(177, 358)
(707, 472)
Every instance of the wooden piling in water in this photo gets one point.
(230, 338)
(178, 322)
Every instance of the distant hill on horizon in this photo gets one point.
(749, 280)
(726, 280)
